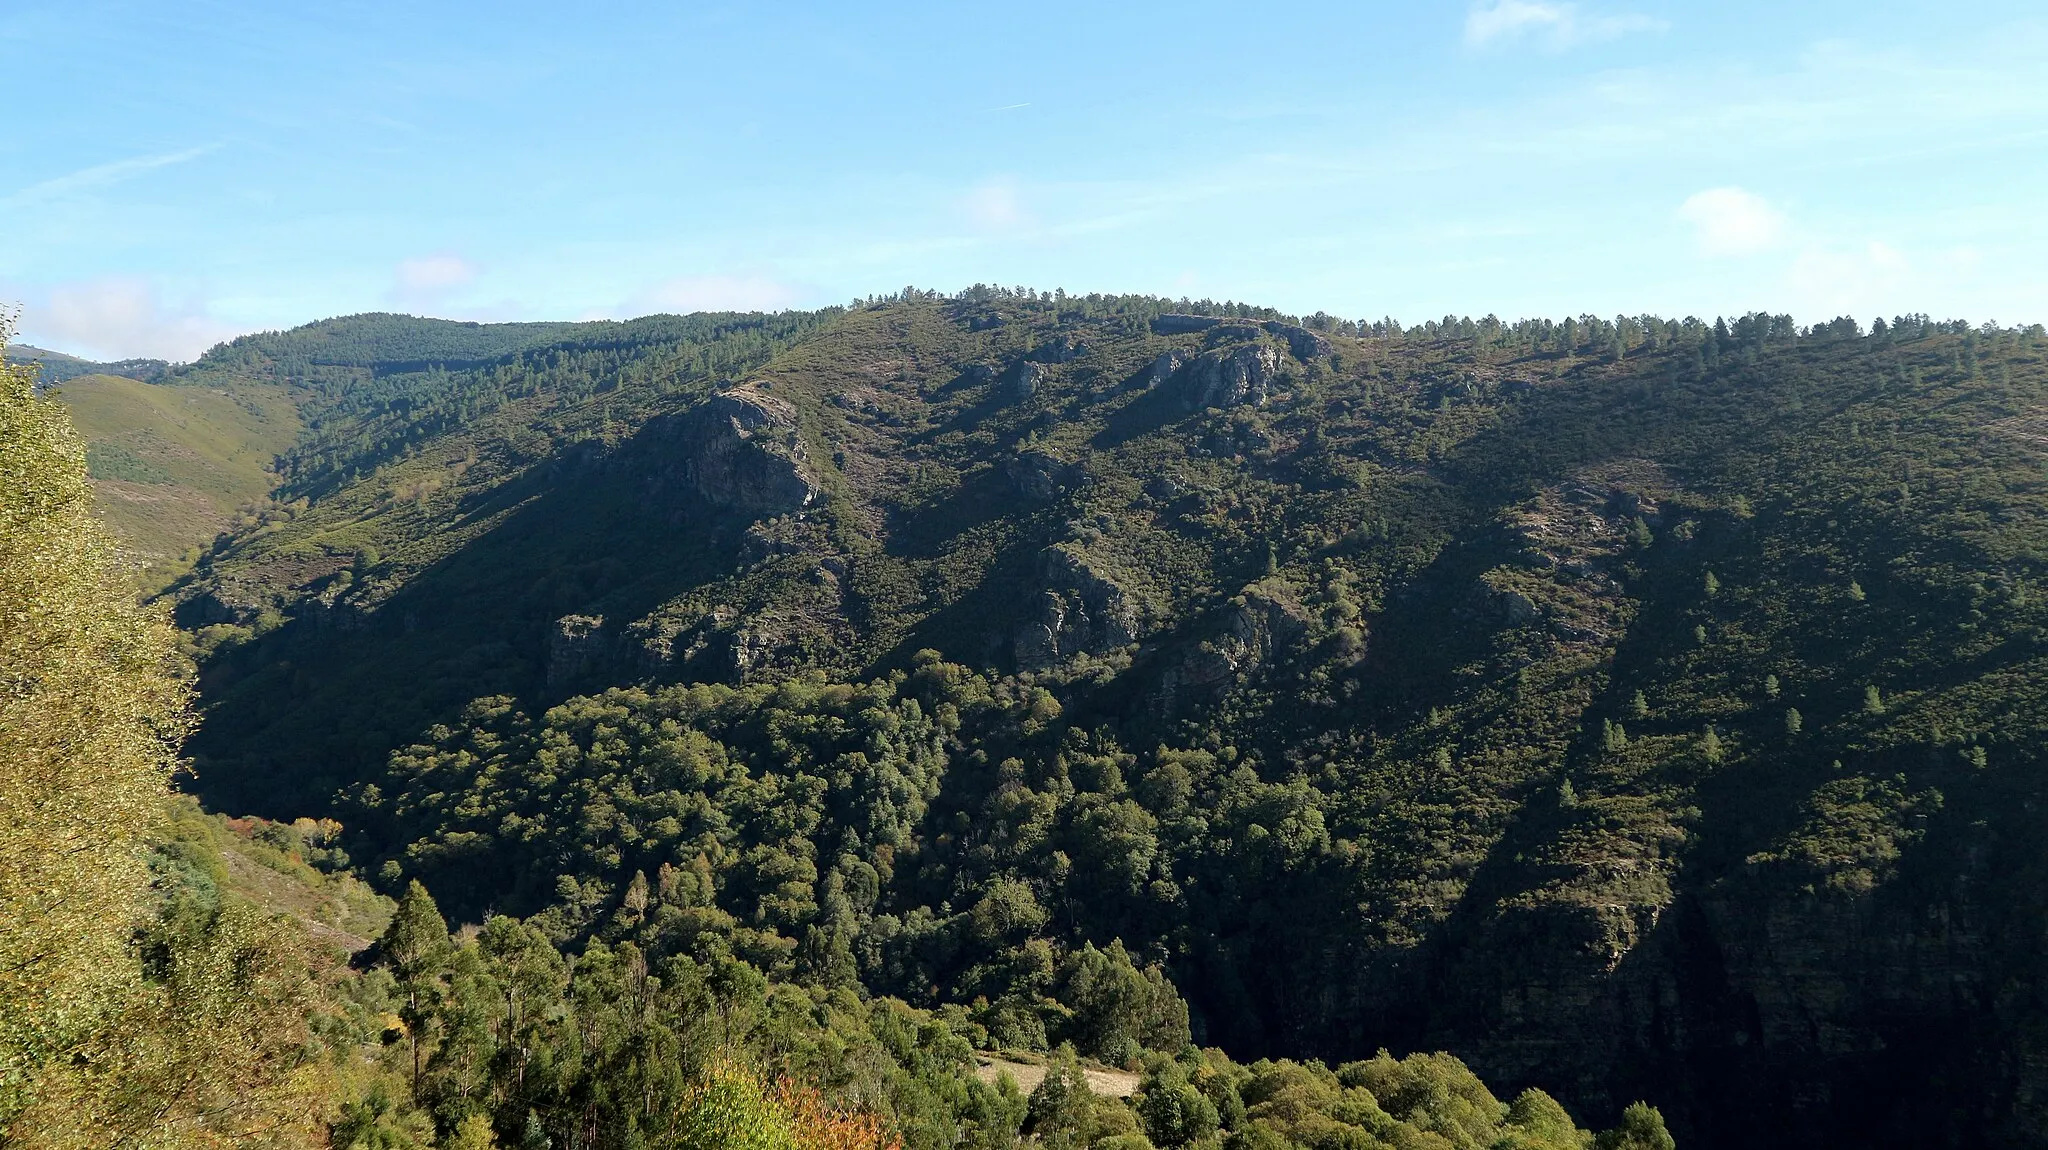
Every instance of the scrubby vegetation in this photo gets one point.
(1634, 707)
(172, 978)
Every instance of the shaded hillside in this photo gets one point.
(1633, 708)
(173, 466)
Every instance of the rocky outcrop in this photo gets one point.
(1079, 610)
(1303, 343)
(1229, 377)
(740, 452)
(1161, 369)
(1177, 324)
(1041, 475)
(1022, 380)
(1258, 625)
(577, 646)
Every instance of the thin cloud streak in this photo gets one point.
(100, 176)
(1556, 25)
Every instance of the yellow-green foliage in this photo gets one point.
(187, 1040)
(90, 710)
(733, 1110)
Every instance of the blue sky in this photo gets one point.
(177, 172)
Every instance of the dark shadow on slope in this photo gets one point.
(309, 709)
(926, 530)
(1151, 412)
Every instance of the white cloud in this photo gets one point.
(685, 294)
(994, 204)
(434, 275)
(1865, 281)
(1732, 222)
(121, 317)
(1556, 25)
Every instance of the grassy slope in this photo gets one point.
(173, 464)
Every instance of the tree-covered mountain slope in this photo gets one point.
(1634, 708)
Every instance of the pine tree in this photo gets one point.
(1613, 737)
(1639, 706)
(1793, 723)
(1873, 700)
(417, 946)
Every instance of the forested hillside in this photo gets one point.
(171, 978)
(1632, 707)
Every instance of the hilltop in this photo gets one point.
(1633, 707)
(54, 367)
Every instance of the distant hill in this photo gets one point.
(56, 367)
(173, 466)
(1631, 706)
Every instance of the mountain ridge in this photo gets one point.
(1509, 668)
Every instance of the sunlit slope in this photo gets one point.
(172, 464)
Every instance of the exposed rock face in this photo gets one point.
(1228, 377)
(576, 647)
(739, 451)
(1041, 475)
(1177, 324)
(1303, 343)
(1162, 369)
(1259, 624)
(1227, 332)
(1080, 609)
(1759, 980)
(1023, 380)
